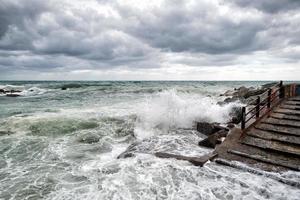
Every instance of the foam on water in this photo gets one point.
(64, 144)
(171, 109)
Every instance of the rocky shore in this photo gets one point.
(215, 132)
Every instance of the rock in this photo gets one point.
(63, 88)
(214, 139)
(251, 93)
(198, 161)
(5, 133)
(13, 91)
(228, 93)
(2, 91)
(89, 138)
(12, 95)
(230, 125)
(236, 115)
(206, 128)
(209, 128)
(268, 85)
(125, 155)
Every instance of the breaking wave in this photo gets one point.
(172, 109)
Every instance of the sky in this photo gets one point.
(149, 40)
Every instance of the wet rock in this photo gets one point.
(5, 133)
(12, 95)
(214, 139)
(256, 92)
(268, 85)
(236, 115)
(209, 128)
(198, 161)
(13, 91)
(230, 125)
(126, 155)
(128, 152)
(89, 138)
(3, 164)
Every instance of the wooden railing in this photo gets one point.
(262, 106)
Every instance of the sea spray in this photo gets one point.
(172, 109)
(64, 144)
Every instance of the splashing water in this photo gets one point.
(64, 144)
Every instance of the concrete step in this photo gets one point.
(293, 150)
(287, 111)
(297, 99)
(283, 116)
(290, 107)
(279, 129)
(267, 135)
(274, 161)
(282, 122)
(295, 103)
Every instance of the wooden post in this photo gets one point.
(243, 123)
(269, 98)
(281, 92)
(257, 107)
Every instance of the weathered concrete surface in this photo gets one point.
(198, 161)
(272, 145)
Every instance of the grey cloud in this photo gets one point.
(270, 6)
(52, 35)
(202, 28)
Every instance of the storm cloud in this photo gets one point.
(67, 36)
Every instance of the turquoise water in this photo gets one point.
(63, 144)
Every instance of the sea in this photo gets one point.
(62, 140)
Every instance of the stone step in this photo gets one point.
(293, 150)
(279, 129)
(287, 111)
(282, 122)
(295, 103)
(283, 116)
(297, 99)
(277, 162)
(274, 136)
(290, 107)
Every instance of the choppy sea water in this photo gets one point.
(63, 144)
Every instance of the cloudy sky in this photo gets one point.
(150, 40)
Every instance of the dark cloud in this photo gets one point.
(179, 29)
(101, 34)
(270, 6)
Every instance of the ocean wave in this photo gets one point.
(21, 90)
(172, 109)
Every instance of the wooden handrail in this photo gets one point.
(262, 104)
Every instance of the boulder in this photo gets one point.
(12, 95)
(230, 125)
(236, 115)
(205, 128)
(197, 161)
(268, 85)
(209, 128)
(256, 92)
(214, 139)
(89, 138)
(126, 155)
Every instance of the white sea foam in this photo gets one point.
(33, 91)
(171, 109)
(12, 87)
